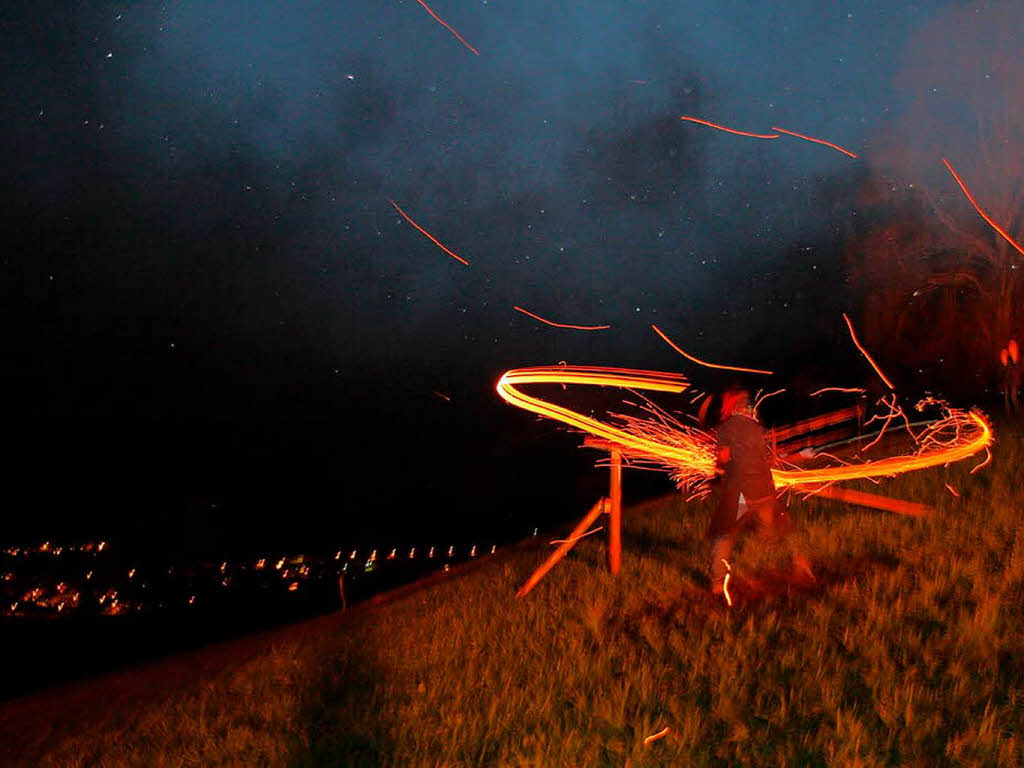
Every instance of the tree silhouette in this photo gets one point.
(940, 283)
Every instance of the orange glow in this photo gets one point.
(659, 735)
(725, 583)
(932, 454)
(701, 362)
(853, 390)
(447, 26)
(433, 239)
(952, 490)
(864, 352)
(977, 207)
(816, 141)
(1012, 350)
(562, 325)
(689, 452)
(729, 130)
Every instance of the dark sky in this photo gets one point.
(216, 323)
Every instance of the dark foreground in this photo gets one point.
(908, 650)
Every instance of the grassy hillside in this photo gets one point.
(910, 650)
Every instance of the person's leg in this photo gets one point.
(777, 527)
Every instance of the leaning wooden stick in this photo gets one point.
(615, 514)
(864, 499)
(595, 512)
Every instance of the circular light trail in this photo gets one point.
(691, 450)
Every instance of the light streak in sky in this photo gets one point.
(762, 398)
(977, 207)
(952, 490)
(856, 390)
(864, 352)
(433, 239)
(562, 325)
(674, 346)
(448, 26)
(729, 130)
(816, 141)
(688, 452)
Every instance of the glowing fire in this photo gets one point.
(688, 452)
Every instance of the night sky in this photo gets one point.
(218, 330)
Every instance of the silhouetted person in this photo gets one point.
(747, 494)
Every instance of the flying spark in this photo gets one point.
(701, 362)
(562, 325)
(448, 26)
(433, 239)
(977, 207)
(816, 141)
(655, 736)
(729, 130)
(864, 352)
(854, 390)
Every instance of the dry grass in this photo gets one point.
(909, 651)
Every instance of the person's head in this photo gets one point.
(734, 400)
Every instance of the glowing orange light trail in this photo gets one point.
(562, 325)
(729, 130)
(676, 347)
(816, 141)
(448, 26)
(952, 490)
(986, 462)
(433, 239)
(691, 452)
(977, 207)
(856, 390)
(853, 335)
(655, 736)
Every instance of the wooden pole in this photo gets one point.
(874, 500)
(615, 522)
(594, 513)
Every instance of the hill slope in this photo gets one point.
(910, 649)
